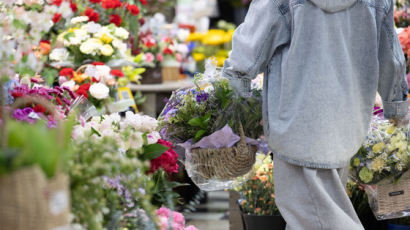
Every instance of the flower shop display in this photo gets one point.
(87, 41)
(401, 17)
(33, 187)
(170, 219)
(206, 120)
(257, 203)
(380, 163)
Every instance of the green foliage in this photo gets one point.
(36, 144)
(163, 190)
(96, 204)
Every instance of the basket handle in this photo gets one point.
(242, 141)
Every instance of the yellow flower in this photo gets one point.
(198, 57)
(106, 39)
(220, 61)
(195, 37)
(391, 129)
(377, 164)
(377, 148)
(78, 77)
(214, 37)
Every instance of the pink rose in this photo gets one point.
(149, 57)
(61, 80)
(190, 227)
(160, 57)
(179, 218)
(178, 57)
(163, 211)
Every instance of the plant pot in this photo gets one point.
(398, 227)
(152, 76)
(254, 222)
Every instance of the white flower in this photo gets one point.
(183, 34)
(69, 84)
(106, 50)
(153, 137)
(121, 33)
(91, 46)
(139, 122)
(79, 19)
(121, 46)
(99, 91)
(182, 48)
(59, 54)
(102, 71)
(65, 10)
(92, 27)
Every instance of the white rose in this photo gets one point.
(121, 46)
(65, 10)
(59, 54)
(69, 84)
(121, 33)
(90, 46)
(106, 50)
(79, 19)
(102, 71)
(99, 91)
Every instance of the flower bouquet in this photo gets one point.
(217, 129)
(380, 163)
(89, 41)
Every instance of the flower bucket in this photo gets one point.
(152, 76)
(29, 201)
(170, 73)
(398, 227)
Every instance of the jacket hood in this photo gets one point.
(333, 6)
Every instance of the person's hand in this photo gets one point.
(399, 122)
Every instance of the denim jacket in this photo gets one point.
(324, 61)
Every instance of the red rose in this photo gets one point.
(92, 15)
(115, 19)
(73, 6)
(95, 1)
(45, 41)
(143, 2)
(16, 94)
(67, 72)
(57, 2)
(111, 4)
(56, 17)
(94, 80)
(39, 108)
(141, 21)
(83, 90)
(133, 9)
(98, 63)
(168, 160)
(168, 51)
(117, 73)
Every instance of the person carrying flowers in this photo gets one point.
(324, 61)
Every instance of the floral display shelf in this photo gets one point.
(151, 92)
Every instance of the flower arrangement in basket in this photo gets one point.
(217, 128)
(382, 160)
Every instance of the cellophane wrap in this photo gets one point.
(381, 167)
(219, 130)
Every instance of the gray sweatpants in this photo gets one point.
(313, 199)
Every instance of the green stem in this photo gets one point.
(3, 127)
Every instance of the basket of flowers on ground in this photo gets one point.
(217, 128)
(381, 166)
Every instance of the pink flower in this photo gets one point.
(190, 227)
(160, 57)
(61, 80)
(167, 161)
(149, 57)
(163, 211)
(178, 57)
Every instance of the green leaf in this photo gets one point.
(144, 137)
(69, 35)
(199, 135)
(153, 151)
(196, 122)
(18, 24)
(93, 131)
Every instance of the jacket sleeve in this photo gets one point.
(254, 42)
(392, 85)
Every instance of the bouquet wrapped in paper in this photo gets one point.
(381, 165)
(217, 128)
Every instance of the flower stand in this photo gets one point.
(152, 76)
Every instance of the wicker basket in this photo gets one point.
(29, 201)
(224, 163)
(392, 198)
(170, 73)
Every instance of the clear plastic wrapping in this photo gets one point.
(381, 167)
(217, 128)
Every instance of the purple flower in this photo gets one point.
(24, 115)
(201, 97)
(169, 114)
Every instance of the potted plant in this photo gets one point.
(257, 204)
